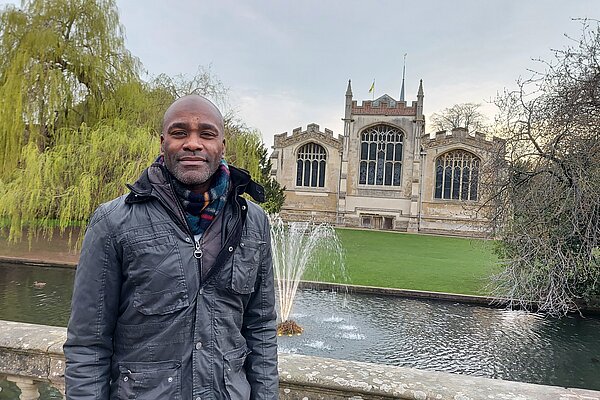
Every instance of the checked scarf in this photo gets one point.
(202, 208)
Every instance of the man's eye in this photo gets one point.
(178, 133)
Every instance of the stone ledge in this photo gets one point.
(32, 351)
(35, 351)
(36, 263)
(357, 380)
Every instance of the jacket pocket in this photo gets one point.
(149, 380)
(156, 270)
(234, 374)
(246, 262)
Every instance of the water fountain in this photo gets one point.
(299, 247)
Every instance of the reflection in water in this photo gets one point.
(441, 336)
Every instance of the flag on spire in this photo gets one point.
(372, 88)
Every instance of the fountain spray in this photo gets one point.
(298, 247)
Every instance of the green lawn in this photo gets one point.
(420, 262)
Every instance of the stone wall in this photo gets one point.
(33, 353)
(455, 217)
(303, 203)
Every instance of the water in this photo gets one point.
(24, 301)
(443, 336)
(430, 335)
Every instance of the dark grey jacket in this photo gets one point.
(149, 320)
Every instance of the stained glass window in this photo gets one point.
(311, 164)
(380, 156)
(457, 175)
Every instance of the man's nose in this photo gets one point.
(193, 143)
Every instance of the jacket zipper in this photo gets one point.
(186, 228)
(226, 245)
(197, 249)
(198, 253)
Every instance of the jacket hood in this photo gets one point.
(157, 174)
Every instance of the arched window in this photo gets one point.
(381, 156)
(457, 175)
(311, 163)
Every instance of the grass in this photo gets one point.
(409, 261)
(419, 262)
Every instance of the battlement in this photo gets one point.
(314, 128)
(459, 133)
(463, 136)
(384, 105)
(312, 131)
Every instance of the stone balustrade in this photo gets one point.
(31, 355)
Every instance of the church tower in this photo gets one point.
(380, 154)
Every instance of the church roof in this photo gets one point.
(386, 99)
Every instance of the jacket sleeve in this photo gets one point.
(259, 329)
(94, 307)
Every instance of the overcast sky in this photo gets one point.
(287, 63)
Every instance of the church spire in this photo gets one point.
(403, 75)
(420, 95)
(348, 108)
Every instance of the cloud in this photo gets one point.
(277, 112)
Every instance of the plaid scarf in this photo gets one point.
(202, 208)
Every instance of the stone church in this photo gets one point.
(384, 171)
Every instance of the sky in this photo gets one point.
(287, 63)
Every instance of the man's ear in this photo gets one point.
(224, 148)
(162, 145)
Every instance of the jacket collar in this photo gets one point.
(157, 174)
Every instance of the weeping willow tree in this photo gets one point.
(60, 60)
(243, 147)
(76, 121)
(62, 186)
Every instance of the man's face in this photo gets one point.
(192, 141)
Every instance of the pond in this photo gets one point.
(431, 335)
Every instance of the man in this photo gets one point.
(174, 294)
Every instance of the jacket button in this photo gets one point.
(188, 240)
(230, 249)
(170, 379)
(125, 379)
(198, 398)
(243, 207)
(198, 345)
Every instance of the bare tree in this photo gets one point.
(546, 200)
(204, 83)
(464, 115)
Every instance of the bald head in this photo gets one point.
(192, 101)
(193, 141)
